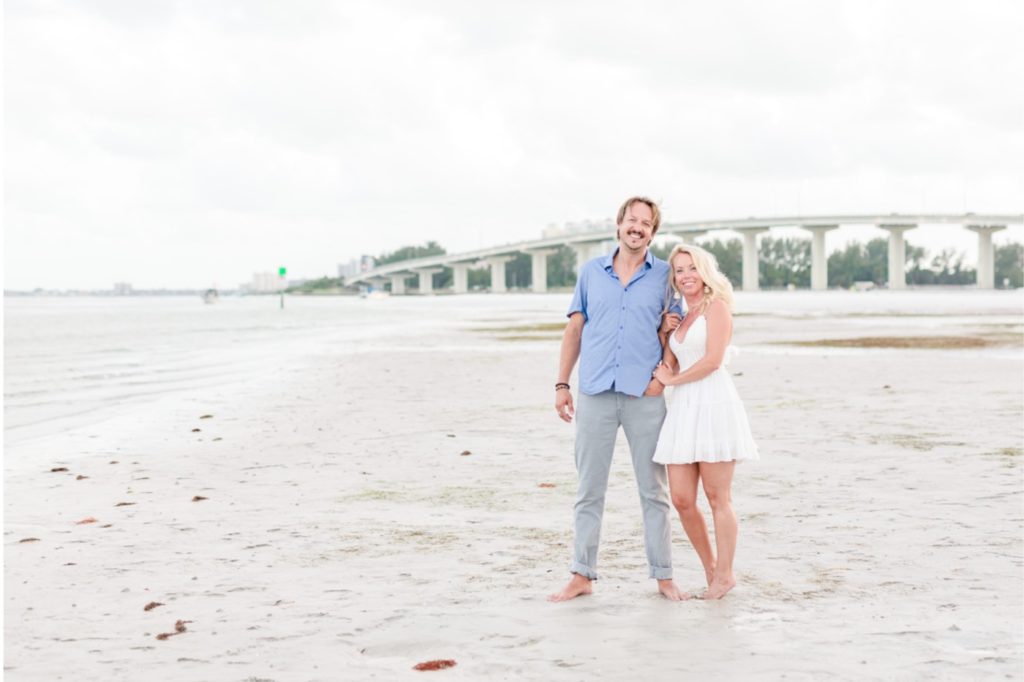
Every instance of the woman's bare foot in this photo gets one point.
(577, 586)
(719, 587)
(709, 573)
(669, 590)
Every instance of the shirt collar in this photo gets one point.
(609, 260)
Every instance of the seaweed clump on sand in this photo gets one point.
(912, 342)
(439, 664)
(544, 331)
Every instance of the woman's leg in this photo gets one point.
(717, 480)
(682, 482)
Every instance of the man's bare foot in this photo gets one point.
(719, 587)
(669, 590)
(577, 586)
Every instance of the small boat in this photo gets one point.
(371, 293)
(210, 296)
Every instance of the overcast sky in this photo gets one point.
(194, 143)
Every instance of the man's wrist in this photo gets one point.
(560, 385)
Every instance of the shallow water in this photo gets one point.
(69, 361)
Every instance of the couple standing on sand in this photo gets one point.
(631, 345)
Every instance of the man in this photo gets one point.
(613, 331)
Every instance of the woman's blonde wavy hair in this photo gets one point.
(716, 285)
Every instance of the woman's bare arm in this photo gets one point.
(719, 321)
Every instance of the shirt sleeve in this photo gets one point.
(674, 304)
(676, 307)
(579, 296)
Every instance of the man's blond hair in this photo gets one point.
(655, 211)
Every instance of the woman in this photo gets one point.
(705, 431)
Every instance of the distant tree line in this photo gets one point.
(321, 284)
(1009, 264)
(431, 248)
(518, 270)
(784, 261)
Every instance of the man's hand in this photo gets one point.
(655, 388)
(669, 322)
(563, 404)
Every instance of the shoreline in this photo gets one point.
(413, 293)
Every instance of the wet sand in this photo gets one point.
(363, 513)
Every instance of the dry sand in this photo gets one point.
(366, 512)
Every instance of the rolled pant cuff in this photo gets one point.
(585, 571)
(661, 572)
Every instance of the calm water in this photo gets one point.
(70, 361)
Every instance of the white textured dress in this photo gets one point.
(705, 421)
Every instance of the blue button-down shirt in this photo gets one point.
(620, 346)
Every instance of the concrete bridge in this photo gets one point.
(589, 245)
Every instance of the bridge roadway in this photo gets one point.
(592, 244)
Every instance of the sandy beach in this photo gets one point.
(344, 511)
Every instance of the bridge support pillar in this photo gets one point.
(586, 251)
(397, 284)
(986, 255)
(819, 257)
(750, 258)
(460, 278)
(691, 236)
(539, 270)
(426, 276)
(897, 255)
(687, 237)
(582, 252)
(497, 264)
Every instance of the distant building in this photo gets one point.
(578, 227)
(122, 289)
(355, 267)
(264, 283)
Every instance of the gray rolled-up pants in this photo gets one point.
(598, 418)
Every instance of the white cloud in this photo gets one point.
(189, 143)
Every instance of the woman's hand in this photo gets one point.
(669, 322)
(663, 374)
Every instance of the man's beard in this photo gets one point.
(618, 237)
